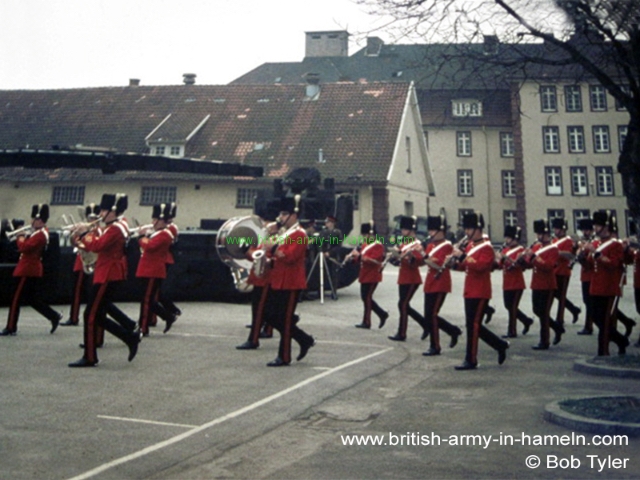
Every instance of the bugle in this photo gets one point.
(14, 234)
(139, 231)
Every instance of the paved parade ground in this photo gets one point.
(191, 406)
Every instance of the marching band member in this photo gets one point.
(566, 249)
(260, 282)
(288, 279)
(437, 285)
(477, 262)
(632, 257)
(513, 280)
(80, 285)
(110, 270)
(370, 255)
(542, 257)
(29, 272)
(161, 296)
(588, 242)
(411, 254)
(606, 282)
(153, 268)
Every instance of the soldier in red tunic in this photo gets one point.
(542, 257)
(606, 282)
(409, 254)
(80, 286)
(477, 262)
(566, 253)
(371, 255)
(162, 295)
(29, 272)
(587, 242)
(152, 267)
(288, 279)
(110, 270)
(437, 285)
(513, 280)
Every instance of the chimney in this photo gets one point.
(134, 82)
(313, 85)
(327, 44)
(374, 45)
(189, 78)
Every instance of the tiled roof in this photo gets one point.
(352, 127)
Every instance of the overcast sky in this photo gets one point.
(89, 43)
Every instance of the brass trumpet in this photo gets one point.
(14, 234)
(139, 231)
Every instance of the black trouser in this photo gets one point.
(406, 292)
(150, 305)
(563, 302)
(259, 296)
(366, 294)
(474, 309)
(511, 300)
(28, 291)
(432, 304)
(282, 306)
(586, 299)
(163, 297)
(95, 316)
(603, 317)
(541, 301)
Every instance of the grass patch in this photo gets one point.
(614, 409)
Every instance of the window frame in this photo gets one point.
(507, 145)
(553, 169)
(602, 172)
(621, 136)
(508, 184)
(598, 98)
(507, 216)
(468, 143)
(68, 195)
(575, 93)
(573, 172)
(548, 94)
(468, 174)
(579, 214)
(155, 194)
(597, 139)
(546, 131)
(242, 197)
(571, 136)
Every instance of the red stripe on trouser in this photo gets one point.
(153, 318)
(513, 312)
(477, 323)
(14, 311)
(435, 329)
(257, 322)
(286, 329)
(145, 307)
(77, 293)
(368, 304)
(90, 352)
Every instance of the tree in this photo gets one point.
(580, 39)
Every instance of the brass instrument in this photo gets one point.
(459, 245)
(350, 256)
(139, 231)
(259, 262)
(14, 234)
(76, 231)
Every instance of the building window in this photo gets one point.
(548, 98)
(579, 215)
(463, 144)
(245, 197)
(508, 183)
(598, 97)
(604, 179)
(554, 213)
(465, 183)
(573, 98)
(67, 196)
(551, 139)
(407, 146)
(576, 139)
(157, 194)
(175, 151)
(622, 135)
(553, 176)
(506, 144)
(355, 198)
(510, 218)
(160, 149)
(466, 108)
(625, 89)
(579, 184)
(601, 142)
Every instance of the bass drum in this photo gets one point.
(234, 238)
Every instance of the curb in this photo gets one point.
(583, 366)
(554, 414)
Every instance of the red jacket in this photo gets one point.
(288, 272)
(31, 248)
(111, 264)
(370, 271)
(153, 259)
(409, 273)
(477, 265)
(566, 245)
(438, 282)
(512, 276)
(544, 267)
(586, 265)
(608, 269)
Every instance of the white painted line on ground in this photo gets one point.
(139, 420)
(152, 448)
